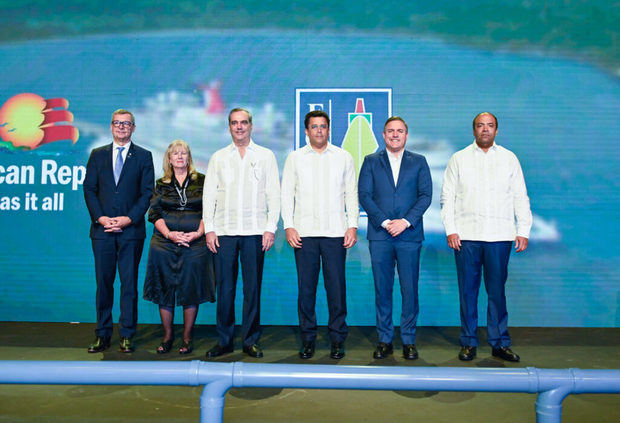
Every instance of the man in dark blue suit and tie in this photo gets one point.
(117, 189)
(395, 189)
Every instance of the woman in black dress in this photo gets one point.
(180, 267)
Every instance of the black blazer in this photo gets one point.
(130, 197)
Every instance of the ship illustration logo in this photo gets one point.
(359, 139)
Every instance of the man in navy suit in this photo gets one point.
(117, 189)
(395, 189)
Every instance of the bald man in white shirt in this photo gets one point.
(320, 211)
(485, 208)
(241, 208)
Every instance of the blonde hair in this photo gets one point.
(167, 166)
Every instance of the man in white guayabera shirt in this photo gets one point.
(318, 185)
(241, 208)
(484, 208)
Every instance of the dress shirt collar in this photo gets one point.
(491, 148)
(125, 146)
(308, 149)
(233, 148)
(393, 156)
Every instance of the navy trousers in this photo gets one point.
(332, 255)
(248, 250)
(475, 259)
(111, 253)
(385, 254)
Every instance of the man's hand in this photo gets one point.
(520, 244)
(350, 237)
(293, 238)
(268, 238)
(105, 221)
(116, 224)
(396, 227)
(454, 242)
(212, 242)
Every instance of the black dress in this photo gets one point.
(178, 275)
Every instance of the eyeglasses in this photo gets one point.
(123, 123)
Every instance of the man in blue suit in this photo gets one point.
(117, 189)
(395, 189)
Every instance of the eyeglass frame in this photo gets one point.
(123, 123)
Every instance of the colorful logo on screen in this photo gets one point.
(356, 114)
(28, 121)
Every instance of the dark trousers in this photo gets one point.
(385, 255)
(332, 254)
(250, 250)
(475, 259)
(112, 253)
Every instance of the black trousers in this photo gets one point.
(111, 253)
(248, 250)
(331, 254)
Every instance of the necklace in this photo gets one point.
(182, 195)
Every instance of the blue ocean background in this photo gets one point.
(559, 115)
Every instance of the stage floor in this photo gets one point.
(586, 348)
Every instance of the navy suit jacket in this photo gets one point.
(131, 197)
(408, 199)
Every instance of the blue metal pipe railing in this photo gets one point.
(552, 385)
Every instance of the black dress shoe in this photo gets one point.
(125, 345)
(467, 353)
(506, 353)
(99, 344)
(410, 352)
(253, 350)
(307, 350)
(337, 350)
(218, 350)
(383, 350)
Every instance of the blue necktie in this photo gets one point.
(118, 164)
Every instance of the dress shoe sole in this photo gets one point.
(378, 356)
(101, 348)
(506, 358)
(251, 354)
(410, 357)
(97, 350)
(220, 353)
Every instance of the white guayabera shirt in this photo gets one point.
(241, 196)
(317, 188)
(483, 194)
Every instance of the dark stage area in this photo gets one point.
(585, 348)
